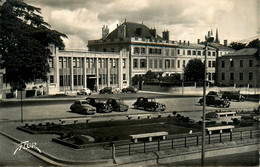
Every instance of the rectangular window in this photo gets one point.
(209, 76)
(51, 62)
(213, 53)
(213, 63)
(51, 78)
(250, 76)
(241, 63)
(74, 63)
(65, 62)
(173, 63)
(241, 77)
(160, 63)
(223, 76)
(178, 63)
(209, 53)
(166, 52)
(209, 63)
(143, 51)
(203, 53)
(124, 63)
(250, 63)
(78, 62)
(178, 51)
(199, 53)
(189, 52)
(124, 76)
(135, 63)
(143, 63)
(75, 80)
(150, 63)
(194, 52)
(183, 63)
(183, 52)
(172, 52)
(232, 76)
(136, 50)
(167, 63)
(223, 64)
(155, 63)
(61, 62)
(61, 80)
(150, 50)
(232, 63)
(214, 76)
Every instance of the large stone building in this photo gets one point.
(150, 51)
(72, 70)
(240, 68)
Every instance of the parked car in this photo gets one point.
(84, 91)
(214, 93)
(149, 104)
(215, 100)
(233, 95)
(100, 104)
(130, 89)
(106, 90)
(82, 107)
(117, 104)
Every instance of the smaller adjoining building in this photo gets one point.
(240, 68)
(72, 70)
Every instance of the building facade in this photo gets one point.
(240, 68)
(150, 51)
(72, 70)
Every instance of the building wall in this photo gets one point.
(240, 71)
(73, 70)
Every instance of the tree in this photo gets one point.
(253, 44)
(24, 42)
(237, 45)
(149, 75)
(194, 70)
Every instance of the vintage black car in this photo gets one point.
(117, 104)
(149, 104)
(100, 104)
(215, 100)
(106, 90)
(130, 89)
(82, 107)
(232, 95)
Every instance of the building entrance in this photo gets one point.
(91, 82)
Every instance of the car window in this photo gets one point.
(151, 100)
(84, 102)
(77, 102)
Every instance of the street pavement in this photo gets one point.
(37, 112)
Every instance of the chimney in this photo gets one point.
(165, 35)
(105, 31)
(198, 41)
(225, 42)
(184, 42)
(179, 42)
(153, 32)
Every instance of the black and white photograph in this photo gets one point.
(137, 83)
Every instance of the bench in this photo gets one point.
(139, 116)
(220, 128)
(149, 135)
(74, 120)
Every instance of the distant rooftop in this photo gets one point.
(243, 52)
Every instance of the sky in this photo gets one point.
(82, 20)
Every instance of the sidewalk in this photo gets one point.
(57, 151)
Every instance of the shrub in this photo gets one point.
(174, 113)
(178, 115)
(79, 139)
(224, 122)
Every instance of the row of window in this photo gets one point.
(65, 62)
(241, 76)
(232, 63)
(142, 50)
(168, 63)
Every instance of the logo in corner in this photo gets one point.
(26, 145)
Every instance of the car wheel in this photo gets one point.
(221, 105)
(152, 109)
(100, 110)
(135, 106)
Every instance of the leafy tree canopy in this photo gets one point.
(24, 41)
(194, 70)
(253, 44)
(237, 45)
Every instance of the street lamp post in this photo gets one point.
(208, 39)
